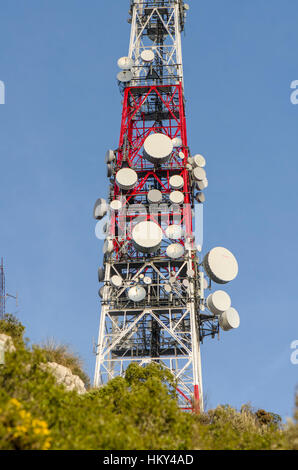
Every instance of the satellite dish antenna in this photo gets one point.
(125, 76)
(174, 232)
(136, 293)
(181, 155)
(147, 280)
(220, 265)
(199, 174)
(116, 281)
(218, 302)
(147, 55)
(126, 178)
(109, 170)
(101, 291)
(199, 161)
(190, 273)
(229, 320)
(202, 184)
(175, 251)
(176, 197)
(108, 246)
(110, 156)
(125, 63)
(157, 148)
(177, 142)
(100, 209)
(154, 196)
(147, 236)
(101, 274)
(116, 205)
(185, 282)
(176, 182)
(200, 197)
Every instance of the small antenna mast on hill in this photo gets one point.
(3, 295)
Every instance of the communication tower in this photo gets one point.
(153, 305)
(2, 290)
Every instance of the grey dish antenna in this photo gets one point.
(229, 320)
(147, 236)
(158, 148)
(221, 265)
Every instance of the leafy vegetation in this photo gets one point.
(138, 411)
(62, 354)
(11, 326)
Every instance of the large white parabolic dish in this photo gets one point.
(136, 293)
(221, 265)
(147, 236)
(157, 148)
(218, 302)
(229, 320)
(126, 178)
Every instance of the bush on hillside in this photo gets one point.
(139, 411)
(11, 326)
(62, 354)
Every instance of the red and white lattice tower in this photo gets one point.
(153, 305)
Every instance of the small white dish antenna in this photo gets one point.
(147, 55)
(175, 251)
(177, 197)
(125, 63)
(100, 209)
(116, 281)
(110, 156)
(116, 205)
(108, 246)
(177, 142)
(199, 161)
(126, 178)
(147, 280)
(199, 174)
(176, 182)
(174, 232)
(125, 76)
(154, 196)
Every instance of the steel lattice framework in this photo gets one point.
(168, 325)
(2, 290)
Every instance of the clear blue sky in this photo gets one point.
(62, 111)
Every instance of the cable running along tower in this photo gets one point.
(153, 305)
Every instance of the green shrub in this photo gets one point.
(11, 326)
(62, 354)
(137, 411)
